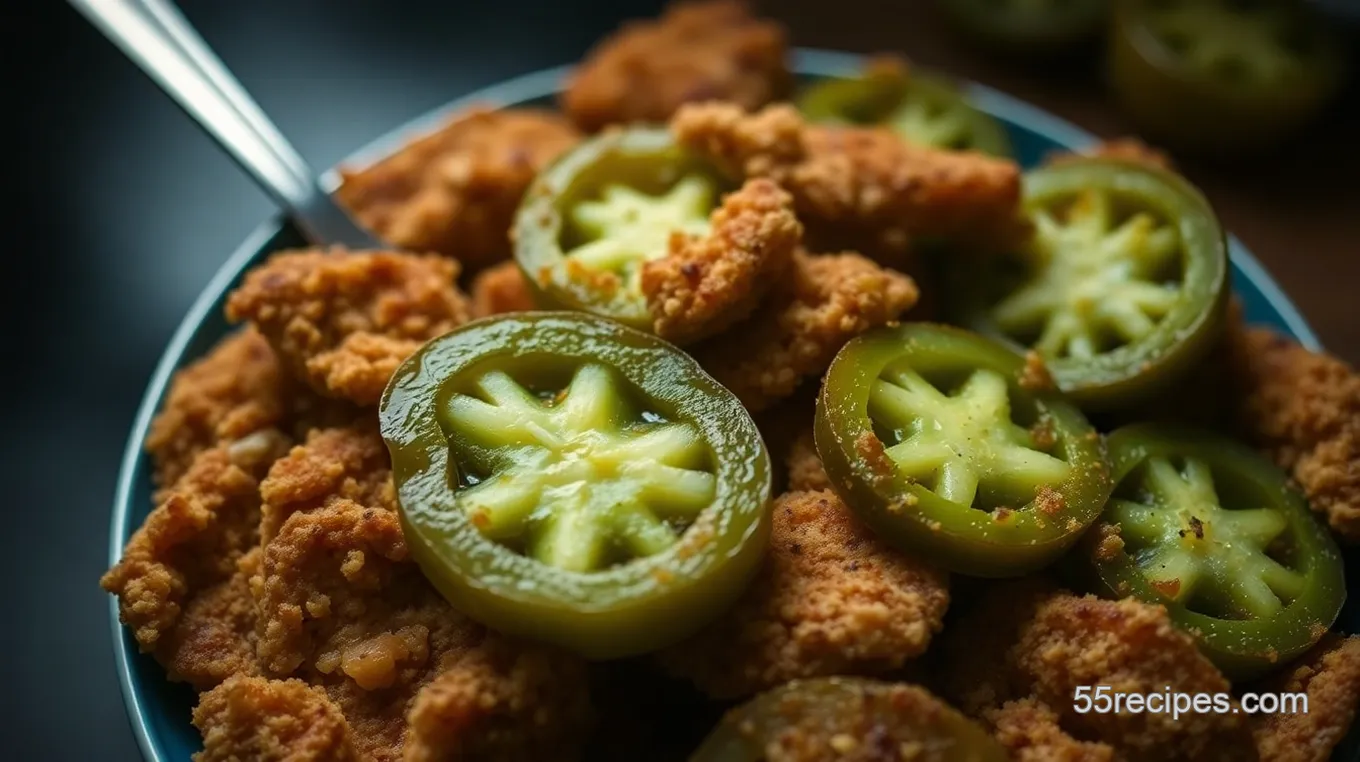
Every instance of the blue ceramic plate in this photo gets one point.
(160, 710)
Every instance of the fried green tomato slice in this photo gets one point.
(590, 221)
(1121, 288)
(923, 108)
(1213, 531)
(566, 478)
(847, 719)
(949, 447)
(1222, 76)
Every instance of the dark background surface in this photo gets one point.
(125, 211)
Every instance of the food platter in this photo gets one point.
(159, 710)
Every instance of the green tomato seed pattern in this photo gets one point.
(1094, 285)
(1197, 551)
(626, 227)
(955, 444)
(580, 479)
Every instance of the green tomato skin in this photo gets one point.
(1243, 648)
(627, 609)
(870, 98)
(860, 709)
(1135, 372)
(915, 520)
(1196, 110)
(643, 158)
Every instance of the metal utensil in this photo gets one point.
(166, 47)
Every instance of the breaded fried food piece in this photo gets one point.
(827, 300)
(235, 390)
(262, 720)
(1029, 730)
(1075, 641)
(455, 192)
(1330, 675)
(499, 289)
(179, 584)
(705, 284)
(830, 600)
(1304, 409)
(852, 184)
(1125, 149)
(346, 461)
(343, 321)
(501, 702)
(342, 606)
(806, 473)
(1028, 641)
(696, 51)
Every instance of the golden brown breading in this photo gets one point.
(347, 461)
(236, 389)
(343, 321)
(1029, 730)
(178, 582)
(806, 473)
(696, 51)
(1330, 675)
(828, 300)
(501, 702)
(851, 185)
(1304, 409)
(455, 192)
(1086, 641)
(501, 288)
(262, 720)
(214, 637)
(705, 284)
(342, 606)
(830, 600)
(1026, 641)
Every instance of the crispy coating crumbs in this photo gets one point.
(455, 192)
(1304, 409)
(860, 179)
(178, 583)
(1034, 377)
(342, 606)
(1049, 501)
(499, 289)
(1330, 675)
(1127, 149)
(254, 718)
(1029, 730)
(347, 461)
(830, 600)
(880, 722)
(237, 389)
(806, 473)
(799, 328)
(502, 702)
(343, 321)
(696, 51)
(705, 284)
(1028, 641)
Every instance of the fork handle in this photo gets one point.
(156, 37)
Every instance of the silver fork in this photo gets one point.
(157, 37)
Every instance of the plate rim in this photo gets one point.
(536, 84)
